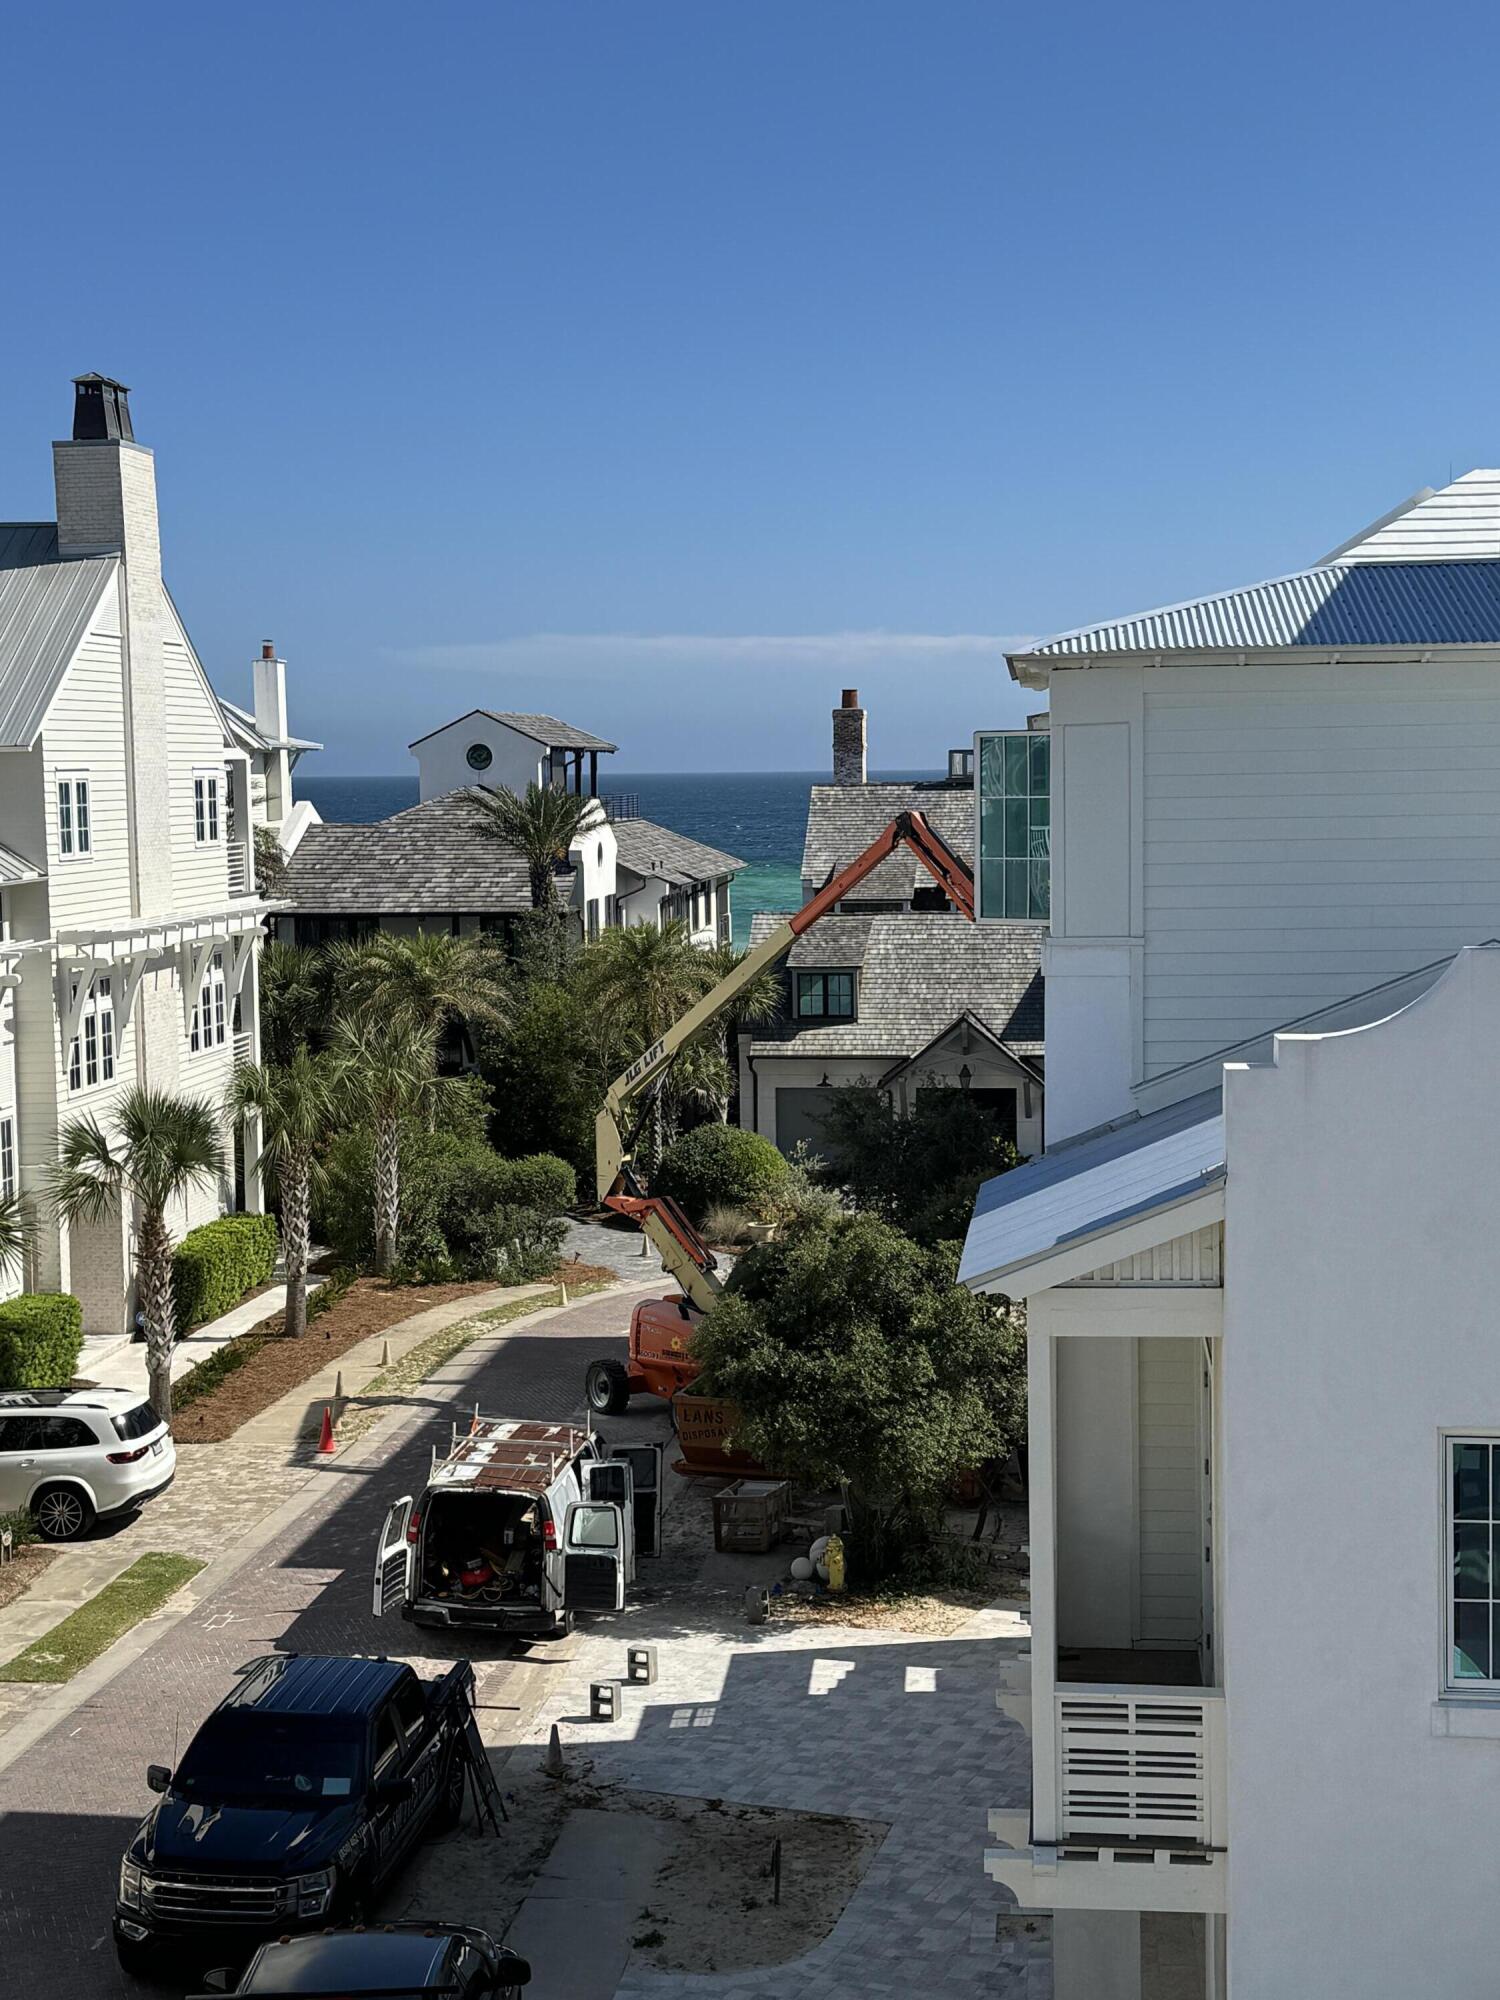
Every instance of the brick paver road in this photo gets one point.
(68, 1804)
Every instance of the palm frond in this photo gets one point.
(17, 1228)
(541, 827)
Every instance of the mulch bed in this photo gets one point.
(19, 1575)
(371, 1305)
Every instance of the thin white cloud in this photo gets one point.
(813, 649)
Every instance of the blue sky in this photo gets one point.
(669, 366)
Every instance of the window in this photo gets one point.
(1015, 824)
(91, 1056)
(387, 1742)
(479, 756)
(45, 1434)
(7, 1159)
(210, 1015)
(593, 917)
(411, 1709)
(594, 1528)
(205, 806)
(75, 829)
(1473, 1509)
(825, 996)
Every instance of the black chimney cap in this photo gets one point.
(101, 408)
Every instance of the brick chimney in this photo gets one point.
(106, 505)
(849, 740)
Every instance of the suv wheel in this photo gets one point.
(62, 1513)
(608, 1388)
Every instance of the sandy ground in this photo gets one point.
(711, 1907)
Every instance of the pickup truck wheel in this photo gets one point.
(608, 1388)
(62, 1513)
(450, 1805)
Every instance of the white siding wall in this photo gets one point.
(1169, 1503)
(443, 766)
(1308, 832)
(85, 730)
(195, 742)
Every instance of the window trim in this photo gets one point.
(823, 974)
(209, 1027)
(208, 806)
(7, 1155)
(93, 1056)
(1454, 1689)
(75, 832)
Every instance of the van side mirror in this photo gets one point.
(220, 1980)
(514, 1972)
(394, 1791)
(158, 1777)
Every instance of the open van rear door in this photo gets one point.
(594, 1556)
(610, 1479)
(644, 1461)
(394, 1556)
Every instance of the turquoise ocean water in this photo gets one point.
(759, 815)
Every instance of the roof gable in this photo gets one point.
(45, 611)
(842, 820)
(1458, 523)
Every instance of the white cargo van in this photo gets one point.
(520, 1526)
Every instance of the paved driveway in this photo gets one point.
(71, 1801)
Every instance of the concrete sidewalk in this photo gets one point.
(116, 1361)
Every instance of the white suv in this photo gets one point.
(74, 1456)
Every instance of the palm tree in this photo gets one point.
(542, 826)
(294, 999)
(16, 1231)
(166, 1147)
(754, 1005)
(641, 979)
(296, 1105)
(385, 1071)
(430, 982)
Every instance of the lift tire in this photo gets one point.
(608, 1388)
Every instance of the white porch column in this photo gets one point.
(1041, 1439)
(255, 1194)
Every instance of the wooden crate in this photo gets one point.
(750, 1516)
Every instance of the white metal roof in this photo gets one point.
(1085, 1189)
(44, 613)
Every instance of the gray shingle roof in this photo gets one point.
(655, 850)
(44, 612)
(920, 970)
(842, 820)
(544, 729)
(1358, 603)
(435, 858)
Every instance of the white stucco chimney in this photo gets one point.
(106, 505)
(849, 740)
(270, 693)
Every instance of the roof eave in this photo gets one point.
(1122, 1236)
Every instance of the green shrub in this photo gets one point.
(213, 1267)
(465, 1212)
(719, 1166)
(41, 1337)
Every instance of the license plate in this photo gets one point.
(156, 1448)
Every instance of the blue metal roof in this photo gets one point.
(1336, 604)
(1091, 1186)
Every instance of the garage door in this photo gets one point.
(799, 1114)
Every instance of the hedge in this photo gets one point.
(465, 1211)
(213, 1267)
(717, 1166)
(41, 1337)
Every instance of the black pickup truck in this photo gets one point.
(300, 1795)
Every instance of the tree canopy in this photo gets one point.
(920, 1168)
(855, 1360)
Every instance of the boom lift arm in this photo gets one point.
(683, 1253)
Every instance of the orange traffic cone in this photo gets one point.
(326, 1444)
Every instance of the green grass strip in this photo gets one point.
(85, 1633)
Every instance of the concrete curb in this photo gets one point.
(72, 1695)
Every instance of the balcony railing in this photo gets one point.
(1141, 1764)
(621, 805)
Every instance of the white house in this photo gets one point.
(508, 752)
(129, 922)
(1257, 1301)
(262, 733)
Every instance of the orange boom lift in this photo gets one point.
(661, 1330)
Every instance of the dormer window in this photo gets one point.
(825, 996)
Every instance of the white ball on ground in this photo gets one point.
(802, 1569)
(818, 1550)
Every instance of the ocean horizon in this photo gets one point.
(760, 816)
